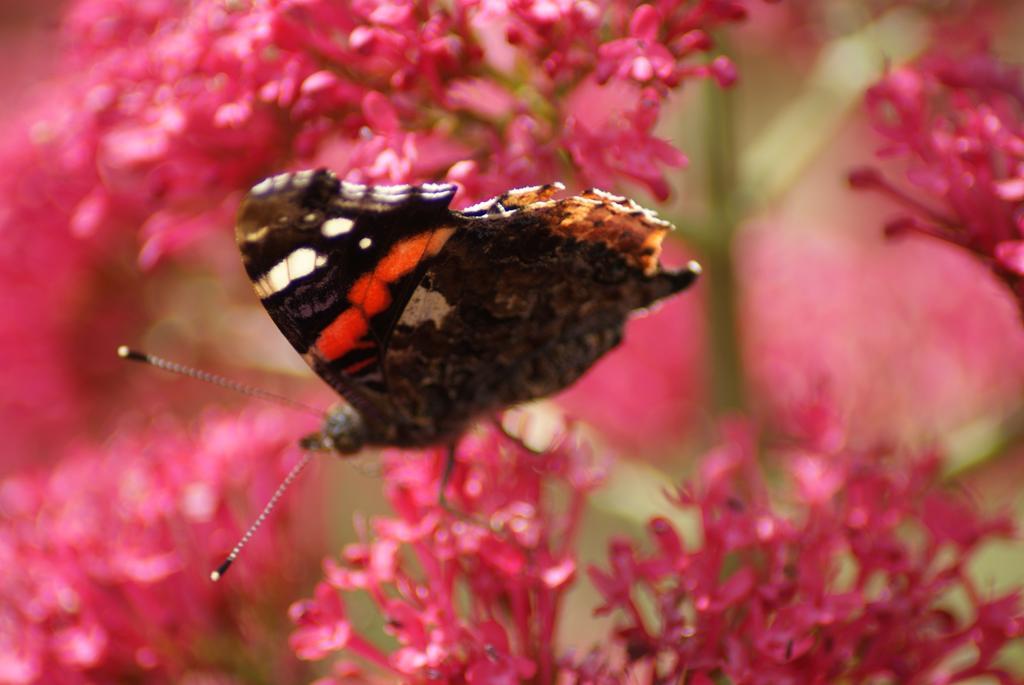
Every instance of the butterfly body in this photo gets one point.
(425, 319)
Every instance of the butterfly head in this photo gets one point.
(344, 432)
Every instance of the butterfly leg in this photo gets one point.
(446, 477)
(442, 500)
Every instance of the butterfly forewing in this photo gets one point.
(335, 264)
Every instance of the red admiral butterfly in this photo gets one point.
(424, 318)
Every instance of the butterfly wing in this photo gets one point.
(424, 318)
(335, 264)
(529, 293)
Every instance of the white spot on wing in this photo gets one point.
(257, 235)
(301, 179)
(298, 264)
(352, 191)
(301, 262)
(425, 305)
(365, 243)
(337, 226)
(480, 206)
(277, 278)
(398, 189)
(437, 187)
(262, 187)
(391, 195)
(435, 191)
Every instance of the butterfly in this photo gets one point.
(424, 318)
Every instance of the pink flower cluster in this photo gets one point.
(958, 123)
(472, 597)
(826, 317)
(107, 557)
(159, 114)
(185, 105)
(850, 580)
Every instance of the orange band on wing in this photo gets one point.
(437, 240)
(407, 254)
(343, 334)
(402, 257)
(370, 294)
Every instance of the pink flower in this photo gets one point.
(833, 589)
(958, 123)
(825, 318)
(107, 556)
(51, 287)
(323, 626)
(639, 57)
(166, 109)
(607, 145)
(663, 37)
(510, 551)
(160, 114)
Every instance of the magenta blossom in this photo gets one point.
(662, 36)
(959, 125)
(107, 557)
(160, 114)
(510, 552)
(848, 580)
(169, 109)
(826, 317)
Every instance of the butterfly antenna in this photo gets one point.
(219, 572)
(125, 352)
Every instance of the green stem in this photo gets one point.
(792, 138)
(982, 443)
(727, 375)
(739, 184)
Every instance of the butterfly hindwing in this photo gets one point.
(531, 291)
